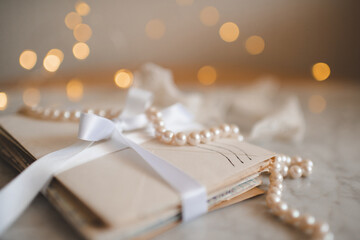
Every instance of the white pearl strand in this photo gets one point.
(194, 138)
(280, 168)
(64, 115)
(295, 167)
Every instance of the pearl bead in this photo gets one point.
(284, 170)
(89, 110)
(307, 163)
(272, 199)
(158, 123)
(194, 138)
(306, 223)
(234, 130)
(275, 191)
(150, 111)
(280, 209)
(276, 177)
(66, 115)
(306, 171)
(205, 136)
(295, 171)
(278, 159)
(276, 166)
(101, 112)
(296, 160)
(56, 114)
(240, 138)
(180, 138)
(76, 115)
(167, 136)
(47, 112)
(155, 116)
(292, 216)
(159, 132)
(321, 229)
(225, 128)
(216, 133)
(278, 185)
(288, 160)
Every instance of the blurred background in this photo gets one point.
(203, 42)
(84, 55)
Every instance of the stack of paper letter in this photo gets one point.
(119, 196)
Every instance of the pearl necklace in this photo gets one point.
(295, 167)
(280, 167)
(64, 115)
(193, 138)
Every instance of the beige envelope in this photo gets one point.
(119, 195)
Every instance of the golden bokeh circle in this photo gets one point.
(255, 45)
(81, 50)
(155, 29)
(82, 8)
(207, 75)
(72, 19)
(3, 101)
(51, 63)
(28, 59)
(317, 104)
(82, 32)
(229, 32)
(31, 97)
(74, 90)
(209, 16)
(123, 78)
(321, 71)
(58, 53)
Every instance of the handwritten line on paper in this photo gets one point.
(213, 145)
(219, 153)
(237, 147)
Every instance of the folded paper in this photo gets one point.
(19, 193)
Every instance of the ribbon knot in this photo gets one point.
(18, 194)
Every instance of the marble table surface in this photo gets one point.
(332, 193)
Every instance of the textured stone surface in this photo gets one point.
(331, 193)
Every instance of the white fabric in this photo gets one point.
(18, 194)
(259, 109)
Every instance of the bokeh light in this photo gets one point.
(74, 90)
(321, 71)
(209, 16)
(51, 63)
(72, 19)
(82, 32)
(155, 29)
(184, 2)
(82, 8)
(207, 75)
(317, 104)
(3, 101)
(229, 32)
(31, 97)
(58, 53)
(123, 78)
(28, 59)
(255, 45)
(81, 50)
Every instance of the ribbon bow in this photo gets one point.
(19, 193)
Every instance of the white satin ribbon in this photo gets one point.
(19, 193)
